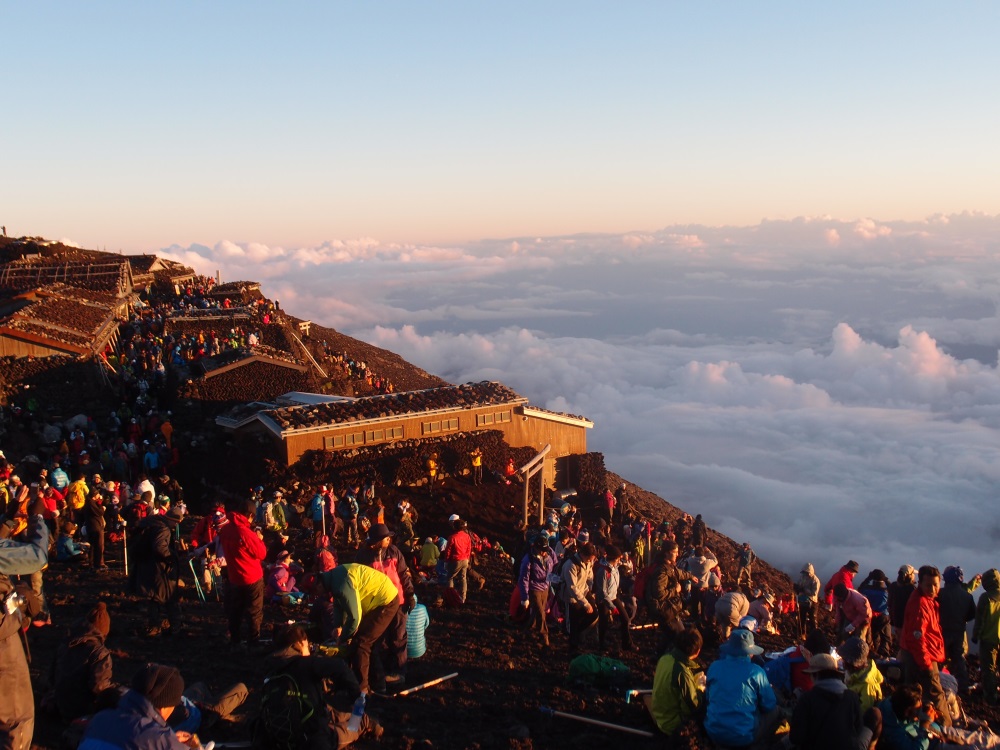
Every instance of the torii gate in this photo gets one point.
(535, 466)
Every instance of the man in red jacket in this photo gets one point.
(845, 576)
(457, 555)
(922, 643)
(244, 550)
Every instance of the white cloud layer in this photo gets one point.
(824, 389)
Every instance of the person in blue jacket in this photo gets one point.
(742, 708)
(139, 722)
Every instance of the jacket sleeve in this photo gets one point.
(765, 693)
(405, 579)
(350, 601)
(523, 577)
(24, 558)
(101, 671)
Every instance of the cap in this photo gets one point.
(454, 517)
(378, 532)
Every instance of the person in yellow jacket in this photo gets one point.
(365, 601)
(863, 677)
(987, 634)
(76, 497)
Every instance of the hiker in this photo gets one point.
(347, 511)
(67, 550)
(157, 570)
(457, 557)
(476, 457)
(899, 594)
(533, 584)
(17, 708)
(382, 555)
(787, 673)
(987, 634)
(365, 603)
(578, 580)
(760, 610)
(957, 608)
(432, 473)
(664, 597)
(829, 716)
(807, 595)
(306, 700)
(677, 698)
(244, 551)
(922, 643)
(863, 676)
(607, 585)
(875, 588)
(699, 532)
(81, 673)
(742, 708)
(732, 607)
(140, 719)
(745, 559)
(844, 575)
(854, 613)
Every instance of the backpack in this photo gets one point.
(284, 711)
(600, 671)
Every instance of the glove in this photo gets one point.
(849, 629)
(408, 603)
(524, 604)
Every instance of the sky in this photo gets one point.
(756, 244)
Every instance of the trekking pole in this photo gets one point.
(596, 722)
(125, 548)
(197, 583)
(414, 689)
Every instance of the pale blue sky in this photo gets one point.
(136, 126)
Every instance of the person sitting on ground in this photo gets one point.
(788, 673)
(81, 674)
(67, 550)
(429, 555)
(829, 717)
(140, 719)
(324, 685)
(280, 587)
(742, 708)
(863, 677)
(677, 697)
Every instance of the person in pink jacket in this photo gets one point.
(854, 614)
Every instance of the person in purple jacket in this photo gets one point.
(533, 583)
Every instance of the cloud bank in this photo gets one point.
(824, 389)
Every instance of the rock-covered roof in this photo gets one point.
(469, 395)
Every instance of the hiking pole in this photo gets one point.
(644, 626)
(595, 722)
(197, 583)
(414, 689)
(125, 548)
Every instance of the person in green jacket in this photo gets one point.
(677, 695)
(987, 633)
(365, 603)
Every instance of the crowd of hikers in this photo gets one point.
(878, 663)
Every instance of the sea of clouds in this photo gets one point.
(826, 390)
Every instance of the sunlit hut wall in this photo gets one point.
(428, 414)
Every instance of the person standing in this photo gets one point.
(958, 608)
(158, 570)
(607, 584)
(17, 708)
(477, 466)
(578, 582)
(922, 643)
(457, 555)
(987, 634)
(94, 513)
(244, 550)
(746, 560)
(807, 593)
(533, 584)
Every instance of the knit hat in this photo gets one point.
(583, 536)
(378, 532)
(174, 516)
(854, 652)
(162, 686)
(99, 619)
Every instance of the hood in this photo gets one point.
(85, 633)
(808, 569)
(991, 580)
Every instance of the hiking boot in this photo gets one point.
(395, 679)
(482, 584)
